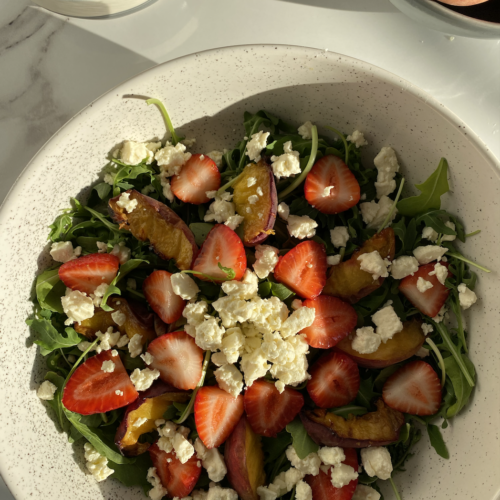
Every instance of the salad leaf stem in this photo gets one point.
(228, 184)
(396, 492)
(166, 117)
(473, 233)
(455, 305)
(312, 158)
(78, 361)
(454, 352)
(440, 360)
(459, 256)
(388, 216)
(189, 408)
(341, 135)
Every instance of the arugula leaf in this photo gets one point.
(431, 191)
(302, 443)
(281, 291)
(200, 231)
(170, 413)
(275, 446)
(437, 441)
(49, 290)
(229, 272)
(133, 474)
(265, 289)
(56, 403)
(104, 220)
(461, 387)
(366, 393)
(103, 189)
(49, 339)
(60, 225)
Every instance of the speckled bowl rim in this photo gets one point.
(378, 72)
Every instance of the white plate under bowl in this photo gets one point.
(206, 94)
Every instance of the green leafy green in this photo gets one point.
(302, 443)
(462, 389)
(281, 291)
(103, 189)
(437, 441)
(134, 474)
(431, 191)
(229, 272)
(56, 403)
(166, 117)
(200, 231)
(49, 339)
(49, 290)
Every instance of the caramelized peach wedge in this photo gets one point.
(154, 222)
(256, 201)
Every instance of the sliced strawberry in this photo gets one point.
(178, 359)
(331, 172)
(88, 272)
(430, 301)
(179, 479)
(161, 297)
(334, 380)
(303, 269)
(222, 246)
(322, 487)
(91, 390)
(198, 175)
(333, 321)
(268, 411)
(414, 389)
(216, 414)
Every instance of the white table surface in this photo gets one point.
(52, 66)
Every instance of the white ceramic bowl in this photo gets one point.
(440, 18)
(206, 95)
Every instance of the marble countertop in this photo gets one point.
(53, 66)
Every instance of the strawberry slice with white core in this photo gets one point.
(216, 414)
(178, 479)
(430, 301)
(178, 359)
(222, 246)
(160, 295)
(198, 175)
(331, 187)
(303, 269)
(334, 380)
(92, 390)
(86, 273)
(413, 389)
(268, 411)
(333, 321)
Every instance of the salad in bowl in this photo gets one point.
(270, 321)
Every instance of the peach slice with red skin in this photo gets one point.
(245, 461)
(259, 217)
(348, 281)
(402, 346)
(153, 221)
(151, 405)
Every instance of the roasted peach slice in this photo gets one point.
(245, 461)
(154, 222)
(256, 201)
(378, 428)
(348, 281)
(138, 320)
(140, 416)
(402, 346)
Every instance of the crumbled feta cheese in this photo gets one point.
(229, 379)
(189, 143)
(429, 234)
(251, 181)
(135, 345)
(146, 190)
(216, 156)
(423, 285)
(364, 492)
(118, 392)
(342, 474)
(331, 456)
(119, 318)
(167, 188)
(466, 296)
(266, 259)
(260, 192)
(333, 260)
(387, 166)
(297, 321)
(133, 153)
(108, 366)
(123, 341)
(147, 358)
(253, 199)
(254, 365)
(327, 191)
(62, 251)
(219, 359)
(256, 144)
(307, 465)
(209, 334)
(283, 210)
(422, 352)
(374, 264)
(357, 138)
(234, 221)
(184, 286)
(46, 391)
(296, 304)
(441, 273)
(109, 178)
(266, 494)
(403, 267)
(158, 491)
(217, 493)
(377, 462)
(107, 340)
(366, 340)
(286, 164)
(426, 328)
(99, 293)
(426, 254)
(280, 386)
(387, 322)
(291, 368)
(143, 379)
(97, 465)
(339, 236)
(441, 314)
(305, 130)
(232, 344)
(102, 247)
(374, 214)
(126, 203)
(139, 422)
(303, 491)
(244, 289)
(199, 495)
(212, 461)
(221, 209)
(301, 226)
(122, 252)
(131, 283)
(77, 306)
(449, 237)
(195, 312)
(184, 450)
(171, 158)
